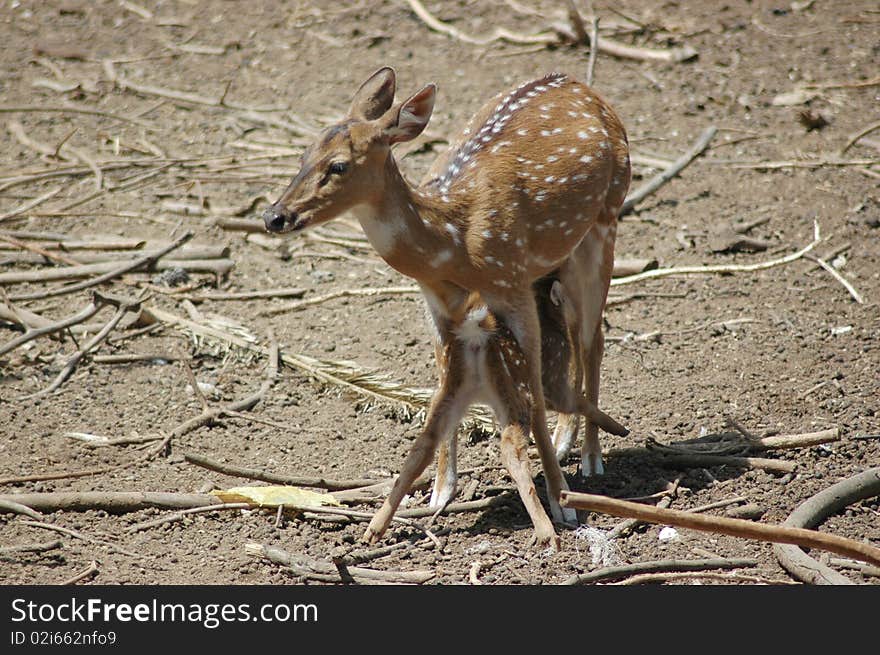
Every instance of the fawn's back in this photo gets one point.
(533, 171)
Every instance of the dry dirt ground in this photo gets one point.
(782, 350)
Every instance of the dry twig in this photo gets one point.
(626, 570)
(319, 570)
(275, 478)
(674, 169)
(127, 267)
(723, 525)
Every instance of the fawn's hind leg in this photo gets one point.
(515, 458)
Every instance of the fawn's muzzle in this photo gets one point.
(275, 219)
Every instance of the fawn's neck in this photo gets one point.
(419, 234)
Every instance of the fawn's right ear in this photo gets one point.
(411, 118)
(557, 293)
(375, 96)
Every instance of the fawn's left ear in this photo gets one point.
(375, 96)
(557, 294)
(410, 119)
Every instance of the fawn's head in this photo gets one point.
(343, 167)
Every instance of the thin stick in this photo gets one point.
(7, 505)
(723, 525)
(363, 556)
(6, 109)
(79, 535)
(837, 276)
(34, 333)
(114, 502)
(133, 358)
(855, 137)
(210, 415)
(31, 548)
(127, 267)
(122, 309)
(783, 441)
(275, 478)
(30, 204)
(193, 383)
(307, 567)
(800, 163)
(651, 578)
(700, 459)
(45, 254)
(668, 565)
(249, 295)
(665, 176)
(179, 516)
(722, 268)
(594, 49)
(90, 570)
(342, 293)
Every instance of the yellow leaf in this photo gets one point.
(275, 495)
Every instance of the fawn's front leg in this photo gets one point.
(446, 412)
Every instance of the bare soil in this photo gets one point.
(783, 350)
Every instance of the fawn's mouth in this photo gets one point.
(277, 220)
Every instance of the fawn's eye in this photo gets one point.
(338, 168)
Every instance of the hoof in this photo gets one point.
(370, 537)
(441, 497)
(592, 465)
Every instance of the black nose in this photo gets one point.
(274, 219)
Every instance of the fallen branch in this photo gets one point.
(275, 478)
(799, 163)
(667, 565)
(107, 264)
(104, 255)
(110, 275)
(665, 176)
(363, 556)
(113, 502)
(723, 525)
(322, 571)
(69, 245)
(721, 268)
(701, 459)
(812, 512)
(132, 358)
